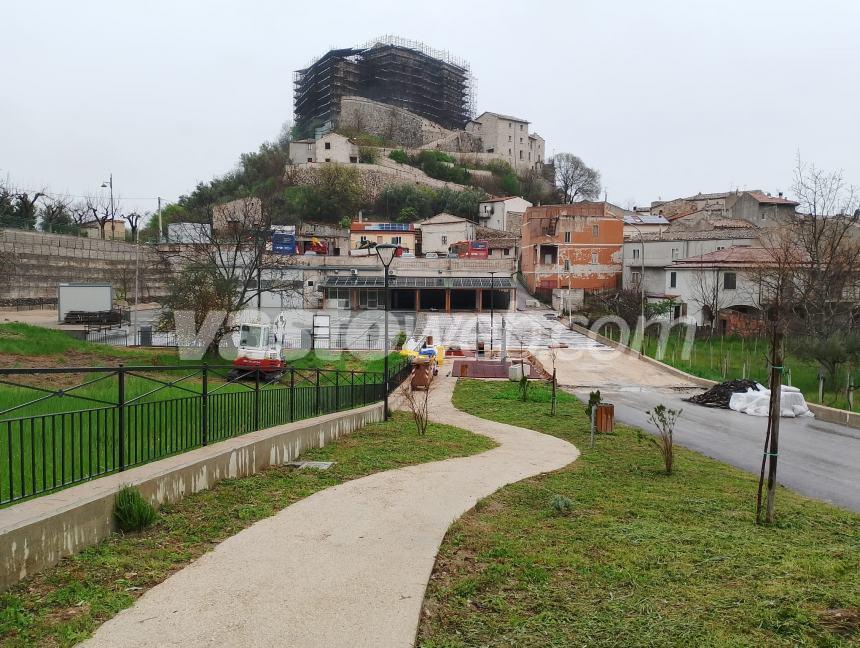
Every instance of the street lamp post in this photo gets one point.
(109, 183)
(492, 310)
(385, 252)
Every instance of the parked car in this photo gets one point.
(431, 255)
(407, 255)
(453, 255)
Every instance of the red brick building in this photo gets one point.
(576, 246)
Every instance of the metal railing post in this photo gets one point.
(317, 390)
(204, 406)
(336, 391)
(352, 388)
(121, 414)
(292, 394)
(257, 400)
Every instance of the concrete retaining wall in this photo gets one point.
(38, 533)
(822, 412)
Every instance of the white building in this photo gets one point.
(331, 147)
(720, 280)
(503, 213)
(509, 139)
(656, 251)
(441, 230)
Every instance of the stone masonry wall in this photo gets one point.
(389, 122)
(33, 263)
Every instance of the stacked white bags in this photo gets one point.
(757, 403)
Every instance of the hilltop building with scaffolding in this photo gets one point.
(395, 71)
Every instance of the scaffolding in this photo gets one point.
(393, 70)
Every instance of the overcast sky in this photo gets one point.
(664, 98)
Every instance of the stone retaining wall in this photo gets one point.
(36, 262)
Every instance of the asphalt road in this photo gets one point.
(817, 459)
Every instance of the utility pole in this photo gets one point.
(159, 220)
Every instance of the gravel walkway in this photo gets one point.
(345, 567)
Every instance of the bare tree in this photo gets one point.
(707, 292)
(134, 220)
(56, 215)
(226, 266)
(827, 236)
(575, 179)
(418, 403)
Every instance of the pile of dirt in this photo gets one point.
(720, 395)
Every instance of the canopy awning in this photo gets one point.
(456, 283)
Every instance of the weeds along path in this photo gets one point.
(347, 566)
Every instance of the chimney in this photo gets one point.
(780, 194)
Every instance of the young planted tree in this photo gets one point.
(664, 419)
(418, 403)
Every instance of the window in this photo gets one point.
(310, 159)
(510, 125)
(491, 150)
(673, 280)
(507, 251)
(730, 280)
(567, 265)
(636, 277)
(567, 237)
(521, 127)
(679, 311)
(444, 240)
(327, 146)
(363, 238)
(521, 154)
(510, 138)
(721, 247)
(509, 151)
(594, 258)
(521, 140)
(635, 253)
(310, 283)
(339, 298)
(353, 159)
(674, 253)
(328, 159)
(595, 231)
(396, 240)
(310, 146)
(371, 298)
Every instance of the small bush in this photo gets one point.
(400, 341)
(399, 155)
(593, 400)
(561, 505)
(132, 512)
(664, 419)
(367, 155)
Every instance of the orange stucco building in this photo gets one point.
(576, 246)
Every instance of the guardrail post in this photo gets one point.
(317, 390)
(257, 400)
(204, 406)
(120, 374)
(292, 394)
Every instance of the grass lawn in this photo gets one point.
(42, 449)
(64, 604)
(726, 358)
(642, 559)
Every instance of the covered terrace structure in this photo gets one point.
(445, 294)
